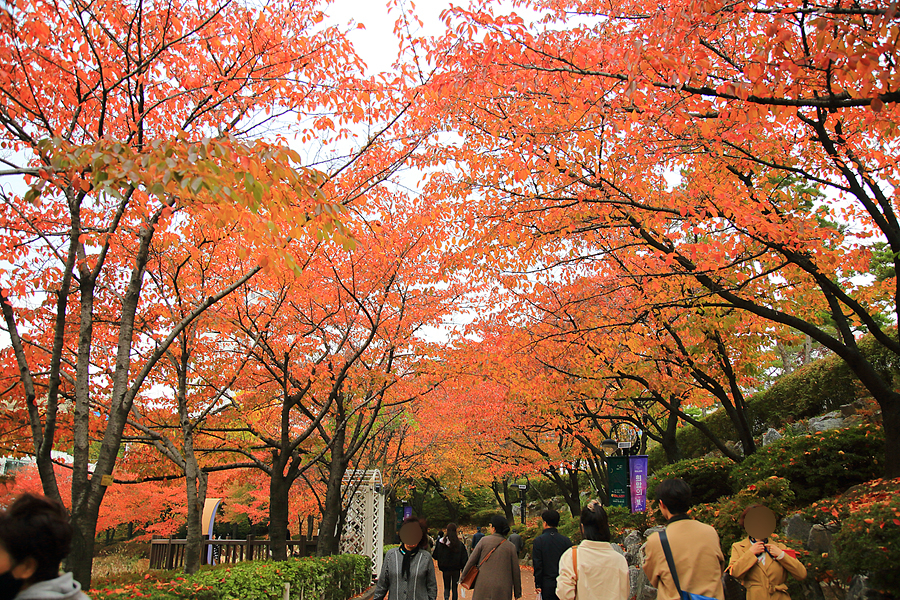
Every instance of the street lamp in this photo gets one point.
(609, 446)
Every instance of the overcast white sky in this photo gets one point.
(376, 43)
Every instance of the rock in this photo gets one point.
(652, 530)
(825, 424)
(799, 428)
(847, 410)
(736, 447)
(819, 540)
(771, 435)
(632, 543)
(640, 585)
(796, 527)
(617, 548)
(859, 588)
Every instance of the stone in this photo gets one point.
(825, 425)
(847, 410)
(859, 588)
(819, 540)
(771, 435)
(632, 543)
(617, 548)
(796, 527)
(640, 588)
(652, 530)
(736, 447)
(799, 428)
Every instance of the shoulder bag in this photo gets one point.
(468, 582)
(668, 552)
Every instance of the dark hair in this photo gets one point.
(452, 537)
(37, 527)
(550, 517)
(423, 543)
(595, 523)
(675, 494)
(500, 523)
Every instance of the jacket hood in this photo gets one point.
(63, 587)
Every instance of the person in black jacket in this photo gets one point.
(548, 548)
(451, 557)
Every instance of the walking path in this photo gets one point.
(528, 592)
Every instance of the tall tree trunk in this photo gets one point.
(501, 493)
(195, 484)
(279, 514)
(329, 532)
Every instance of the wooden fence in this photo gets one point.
(168, 553)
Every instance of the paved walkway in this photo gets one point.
(528, 592)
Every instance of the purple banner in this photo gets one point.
(637, 467)
(407, 512)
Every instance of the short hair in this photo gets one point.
(595, 523)
(550, 517)
(500, 523)
(37, 527)
(675, 494)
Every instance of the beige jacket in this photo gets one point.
(764, 581)
(602, 573)
(698, 560)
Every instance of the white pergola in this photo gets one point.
(364, 526)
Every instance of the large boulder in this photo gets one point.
(819, 540)
(640, 585)
(632, 543)
(796, 527)
(859, 588)
(771, 435)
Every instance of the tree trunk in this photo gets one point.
(195, 483)
(279, 513)
(503, 498)
(329, 532)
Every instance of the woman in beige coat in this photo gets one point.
(593, 569)
(499, 576)
(762, 565)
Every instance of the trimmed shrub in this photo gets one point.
(868, 539)
(774, 492)
(709, 478)
(818, 465)
(328, 578)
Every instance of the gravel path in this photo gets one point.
(528, 592)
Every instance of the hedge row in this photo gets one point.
(327, 578)
(816, 465)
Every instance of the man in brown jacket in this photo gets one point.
(696, 550)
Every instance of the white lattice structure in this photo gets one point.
(364, 526)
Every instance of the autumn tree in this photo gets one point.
(122, 118)
(666, 134)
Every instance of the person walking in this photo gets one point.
(477, 537)
(593, 569)
(499, 576)
(35, 536)
(451, 557)
(516, 540)
(762, 566)
(548, 548)
(408, 571)
(695, 548)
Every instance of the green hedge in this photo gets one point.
(328, 578)
(818, 465)
(709, 478)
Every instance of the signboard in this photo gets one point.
(407, 512)
(638, 479)
(617, 469)
(522, 486)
